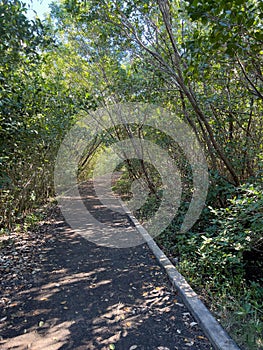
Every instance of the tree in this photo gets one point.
(167, 37)
(36, 110)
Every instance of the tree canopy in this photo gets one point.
(201, 60)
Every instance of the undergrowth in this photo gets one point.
(221, 257)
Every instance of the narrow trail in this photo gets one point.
(86, 296)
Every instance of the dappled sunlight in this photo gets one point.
(84, 296)
(68, 279)
(52, 338)
(88, 297)
(54, 287)
(116, 322)
(117, 314)
(122, 319)
(51, 288)
(99, 284)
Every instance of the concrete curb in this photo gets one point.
(211, 327)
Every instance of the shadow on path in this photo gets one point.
(86, 296)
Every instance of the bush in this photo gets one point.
(219, 261)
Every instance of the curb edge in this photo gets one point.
(211, 327)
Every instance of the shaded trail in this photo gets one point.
(90, 297)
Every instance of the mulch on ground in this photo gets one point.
(60, 291)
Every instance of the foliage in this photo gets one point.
(218, 261)
(35, 111)
(200, 59)
(201, 79)
(234, 26)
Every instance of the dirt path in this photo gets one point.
(76, 295)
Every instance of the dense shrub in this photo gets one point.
(224, 263)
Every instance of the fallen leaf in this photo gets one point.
(179, 304)
(190, 344)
